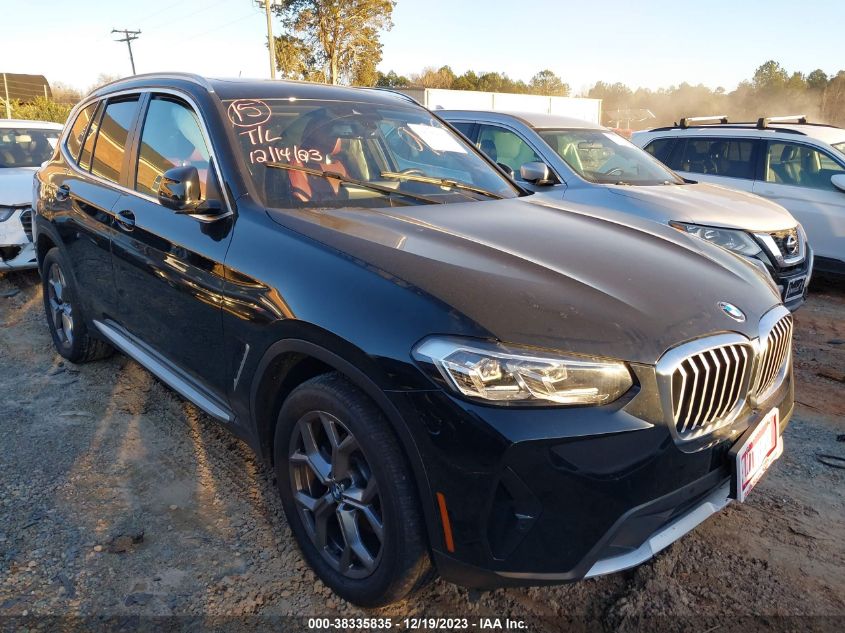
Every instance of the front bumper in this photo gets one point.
(556, 495)
(16, 248)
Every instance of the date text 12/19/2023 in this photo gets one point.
(418, 624)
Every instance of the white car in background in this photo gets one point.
(797, 164)
(24, 145)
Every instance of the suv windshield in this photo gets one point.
(323, 154)
(605, 157)
(26, 147)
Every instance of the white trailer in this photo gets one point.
(437, 99)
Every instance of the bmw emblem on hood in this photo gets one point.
(732, 311)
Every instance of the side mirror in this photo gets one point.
(536, 172)
(179, 189)
(838, 181)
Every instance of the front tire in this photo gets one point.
(348, 493)
(64, 314)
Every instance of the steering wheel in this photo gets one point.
(616, 171)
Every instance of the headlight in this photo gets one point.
(517, 375)
(6, 213)
(731, 239)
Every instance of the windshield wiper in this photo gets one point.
(442, 182)
(333, 175)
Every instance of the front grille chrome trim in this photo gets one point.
(704, 384)
(774, 353)
(783, 259)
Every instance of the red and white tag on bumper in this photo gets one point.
(756, 453)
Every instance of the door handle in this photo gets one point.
(62, 193)
(125, 220)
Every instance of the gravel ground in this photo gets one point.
(119, 499)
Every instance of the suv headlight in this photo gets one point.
(6, 212)
(495, 373)
(731, 239)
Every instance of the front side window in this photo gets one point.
(328, 154)
(172, 137)
(76, 135)
(729, 157)
(604, 157)
(506, 148)
(25, 146)
(110, 146)
(800, 165)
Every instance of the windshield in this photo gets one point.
(840, 147)
(605, 157)
(26, 147)
(323, 154)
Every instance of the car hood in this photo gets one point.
(706, 204)
(533, 273)
(16, 185)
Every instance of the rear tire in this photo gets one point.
(348, 493)
(64, 315)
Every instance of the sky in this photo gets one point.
(648, 43)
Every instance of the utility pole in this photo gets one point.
(6, 100)
(271, 43)
(128, 37)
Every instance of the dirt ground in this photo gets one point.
(119, 499)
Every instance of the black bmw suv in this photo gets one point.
(445, 374)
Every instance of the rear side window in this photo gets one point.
(77, 132)
(660, 148)
(88, 147)
(110, 146)
(729, 157)
(172, 137)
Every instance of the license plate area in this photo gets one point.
(795, 288)
(754, 454)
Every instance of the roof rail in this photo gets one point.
(763, 122)
(192, 77)
(703, 120)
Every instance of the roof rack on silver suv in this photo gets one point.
(703, 120)
(764, 121)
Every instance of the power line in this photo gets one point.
(128, 37)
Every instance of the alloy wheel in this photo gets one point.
(61, 310)
(336, 494)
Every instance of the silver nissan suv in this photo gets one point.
(583, 163)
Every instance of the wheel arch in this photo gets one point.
(43, 244)
(289, 362)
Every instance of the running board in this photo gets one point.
(164, 370)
